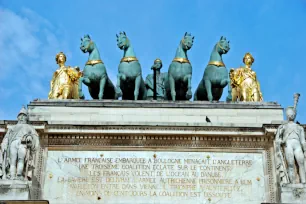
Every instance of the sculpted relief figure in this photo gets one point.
(18, 149)
(160, 81)
(64, 83)
(245, 86)
(290, 140)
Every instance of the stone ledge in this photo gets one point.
(156, 104)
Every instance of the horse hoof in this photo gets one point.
(81, 96)
(229, 98)
(118, 92)
(188, 95)
(100, 96)
(210, 98)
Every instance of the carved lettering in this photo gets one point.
(195, 176)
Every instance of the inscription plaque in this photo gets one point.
(134, 177)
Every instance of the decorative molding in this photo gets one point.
(153, 104)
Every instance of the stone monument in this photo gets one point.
(291, 158)
(170, 150)
(17, 158)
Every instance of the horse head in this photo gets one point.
(222, 46)
(187, 41)
(122, 41)
(86, 44)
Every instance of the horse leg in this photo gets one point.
(225, 82)
(137, 85)
(86, 81)
(172, 87)
(195, 97)
(81, 94)
(102, 85)
(118, 89)
(208, 89)
(189, 93)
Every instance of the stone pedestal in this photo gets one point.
(293, 193)
(14, 190)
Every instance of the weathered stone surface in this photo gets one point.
(155, 177)
(293, 193)
(155, 113)
(14, 190)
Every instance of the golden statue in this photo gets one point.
(245, 86)
(65, 80)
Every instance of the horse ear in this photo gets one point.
(185, 34)
(221, 38)
(124, 33)
(86, 36)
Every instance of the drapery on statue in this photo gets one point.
(290, 139)
(245, 86)
(160, 81)
(64, 83)
(18, 150)
(94, 73)
(180, 72)
(215, 76)
(130, 84)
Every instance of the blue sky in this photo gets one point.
(32, 32)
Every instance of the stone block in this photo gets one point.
(293, 193)
(155, 113)
(14, 190)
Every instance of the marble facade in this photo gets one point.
(76, 130)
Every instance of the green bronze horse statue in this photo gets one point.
(178, 86)
(94, 73)
(130, 84)
(215, 75)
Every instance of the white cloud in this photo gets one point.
(28, 45)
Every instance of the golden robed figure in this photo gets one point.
(65, 80)
(245, 86)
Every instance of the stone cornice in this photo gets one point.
(155, 104)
